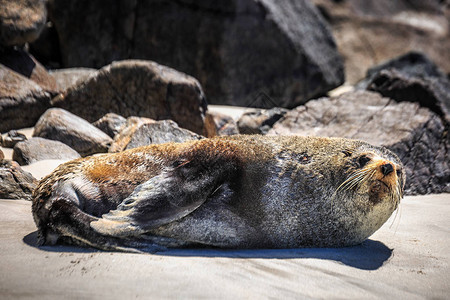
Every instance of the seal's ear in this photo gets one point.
(165, 198)
(347, 153)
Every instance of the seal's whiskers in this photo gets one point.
(356, 178)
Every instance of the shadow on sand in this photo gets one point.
(370, 255)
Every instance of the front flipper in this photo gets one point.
(162, 199)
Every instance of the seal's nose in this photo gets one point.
(387, 169)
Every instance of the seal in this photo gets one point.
(245, 191)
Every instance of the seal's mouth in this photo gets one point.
(384, 183)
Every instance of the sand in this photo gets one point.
(408, 258)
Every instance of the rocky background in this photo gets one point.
(92, 77)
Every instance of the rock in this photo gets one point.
(259, 121)
(110, 124)
(15, 183)
(36, 149)
(141, 132)
(11, 138)
(2, 156)
(122, 139)
(370, 32)
(138, 88)
(60, 125)
(412, 77)
(66, 78)
(225, 125)
(106, 33)
(415, 134)
(21, 21)
(26, 65)
(22, 101)
(160, 132)
(236, 48)
(415, 64)
(428, 92)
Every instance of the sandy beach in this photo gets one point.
(407, 258)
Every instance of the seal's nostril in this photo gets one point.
(387, 169)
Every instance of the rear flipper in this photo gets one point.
(162, 199)
(67, 220)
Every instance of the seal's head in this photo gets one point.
(377, 173)
(374, 179)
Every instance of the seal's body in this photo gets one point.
(233, 192)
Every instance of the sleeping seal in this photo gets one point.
(231, 192)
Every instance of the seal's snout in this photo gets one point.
(387, 169)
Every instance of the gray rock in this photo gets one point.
(370, 32)
(236, 48)
(225, 125)
(15, 183)
(160, 132)
(11, 138)
(416, 134)
(138, 88)
(122, 139)
(66, 78)
(22, 101)
(36, 149)
(60, 125)
(259, 121)
(110, 124)
(411, 77)
(21, 21)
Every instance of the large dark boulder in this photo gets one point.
(22, 101)
(15, 183)
(21, 21)
(138, 88)
(235, 48)
(411, 77)
(60, 125)
(370, 32)
(36, 149)
(417, 135)
(412, 63)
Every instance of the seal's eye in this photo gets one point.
(363, 160)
